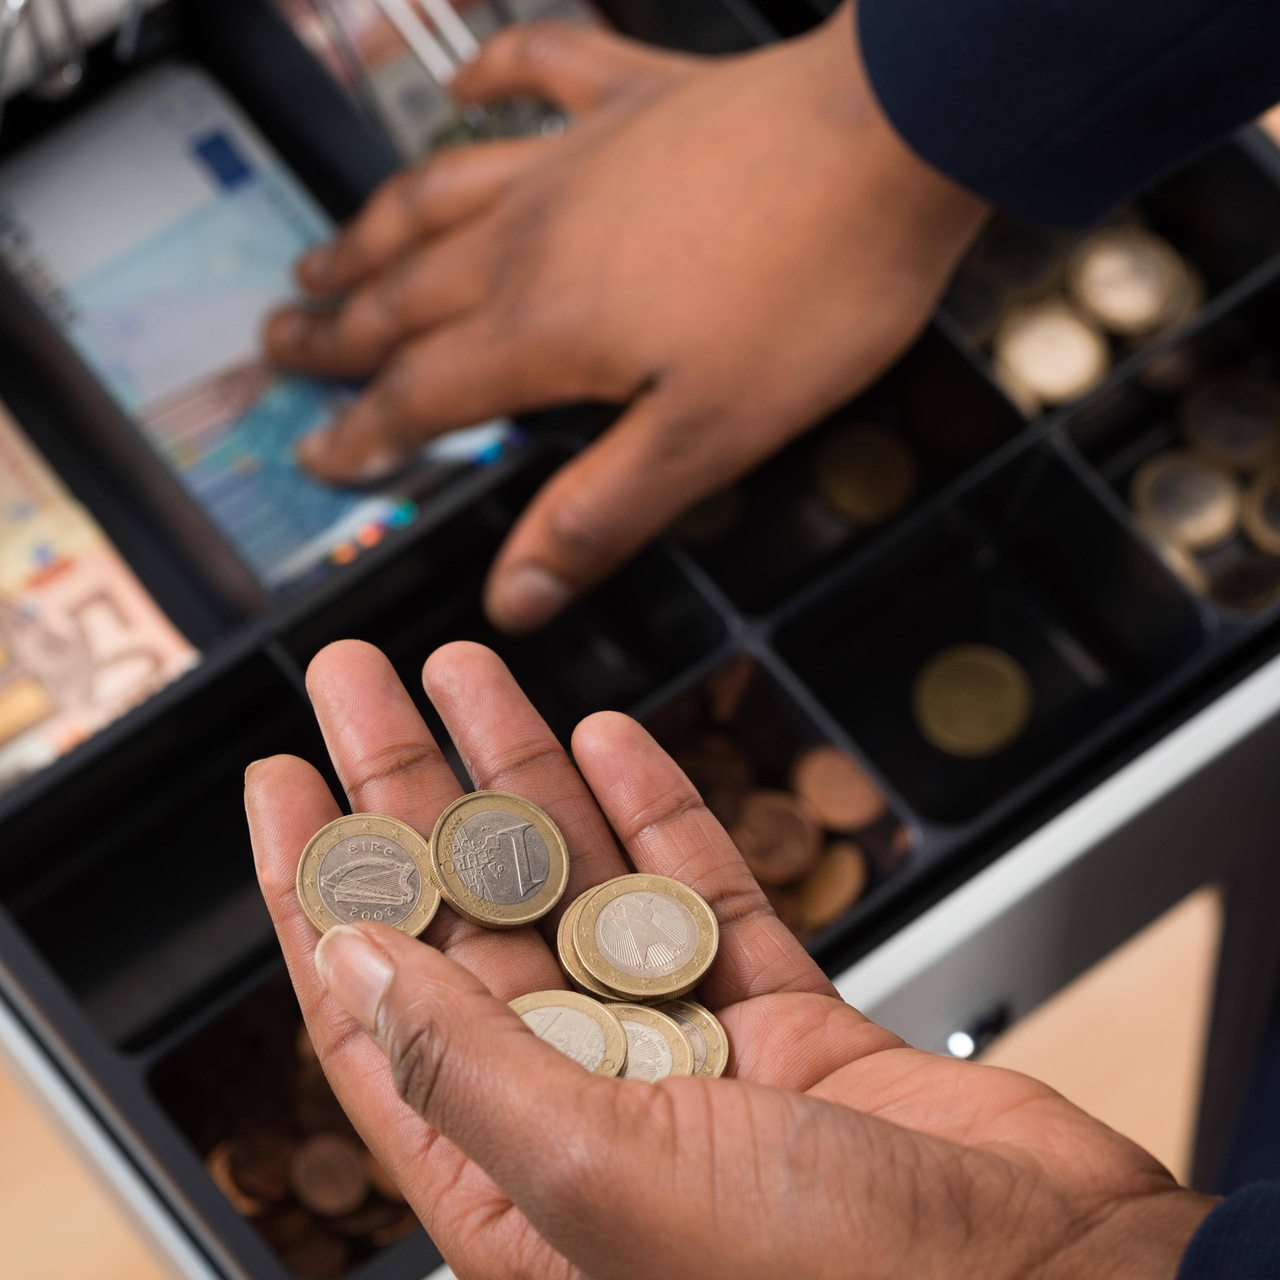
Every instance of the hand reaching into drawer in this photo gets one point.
(729, 248)
(834, 1149)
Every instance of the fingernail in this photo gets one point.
(288, 329)
(381, 465)
(311, 449)
(316, 265)
(526, 597)
(253, 764)
(356, 972)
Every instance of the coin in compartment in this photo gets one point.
(1051, 353)
(705, 1034)
(367, 866)
(656, 1046)
(1234, 418)
(834, 885)
(720, 770)
(779, 836)
(1180, 562)
(713, 519)
(327, 1175)
(972, 700)
(218, 1164)
(865, 473)
(499, 860)
(837, 790)
(578, 1026)
(646, 937)
(1262, 513)
(1187, 499)
(1128, 280)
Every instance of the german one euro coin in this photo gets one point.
(657, 1046)
(367, 867)
(646, 937)
(581, 1028)
(499, 860)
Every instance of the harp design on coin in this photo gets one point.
(646, 934)
(371, 882)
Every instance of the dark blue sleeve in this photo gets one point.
(1239, 1240)
(1057, 110)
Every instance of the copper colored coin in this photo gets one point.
(833, 886)
(720, 770)
(328, 1177)
(260, 1164)
(865, 473)
(779, 835)
(318, 1257)
(728, 687)
(380, 1180)
(218, 1165)
(376, 1215)
(783, 901)
(840, 793)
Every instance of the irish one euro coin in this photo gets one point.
(499, 860)
(367, 867)
(581, 1028)
(646, 937)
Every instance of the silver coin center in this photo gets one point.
(649, 1055)
(369, 877)
(577, 1035)
(646, 934)
(697, 1041)
(499, 857)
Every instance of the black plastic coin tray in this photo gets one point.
(133, 943)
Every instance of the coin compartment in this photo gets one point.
(134, 879)
(1118, 432)
(778, 533)
(609, 650)
(1031, 564)
(746, 702)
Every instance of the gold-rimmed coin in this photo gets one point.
(570, 961)
(367, 866)
(581, 1028)
(865, 473)
(646, 937)
(1234, 418)
(1051, 352)
(656, 1047)
(1180, 562)
(833, 886)
(705, 1035)
(499, 860)
(972, 700)
(1262, 513)
(1127, 279)
(1186, 499)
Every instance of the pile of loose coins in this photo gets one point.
(1054, 313)
(307, 1183)
(1212, 504)
(634, 945)
(972, 700)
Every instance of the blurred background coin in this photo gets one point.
(972, 700)
(1188, 499)
(1234, 418)
(865, 473)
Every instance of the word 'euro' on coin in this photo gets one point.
(1187, 499)
(706, 1037)
(499, 860)
(656, 1046)
(865, 473)
(366, 866)
(1234, 418)
(972, 700)
(646, 937)
(779, 836)
(578, 1026)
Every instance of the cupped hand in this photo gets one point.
(834, 1151)
(729, 248)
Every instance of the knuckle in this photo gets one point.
(392, 763)
(579, 535)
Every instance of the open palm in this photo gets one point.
(836, 1150)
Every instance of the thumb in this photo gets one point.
(574, 68)
(466, 1063)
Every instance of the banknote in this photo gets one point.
(159, 230)
(81, 641)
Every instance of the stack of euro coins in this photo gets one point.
(1054, 315)
(1211, 505)
(307, 1183)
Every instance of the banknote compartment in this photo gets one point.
(765, 537)
(742, 704)
(609, 650)
(1029, 563)
(134, 879)
(1117, 433)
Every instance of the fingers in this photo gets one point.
(574, 68)
(667, 830)
(449, 187)
(452, 377)
(507, 746)
(389, 763)
(601, 508)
